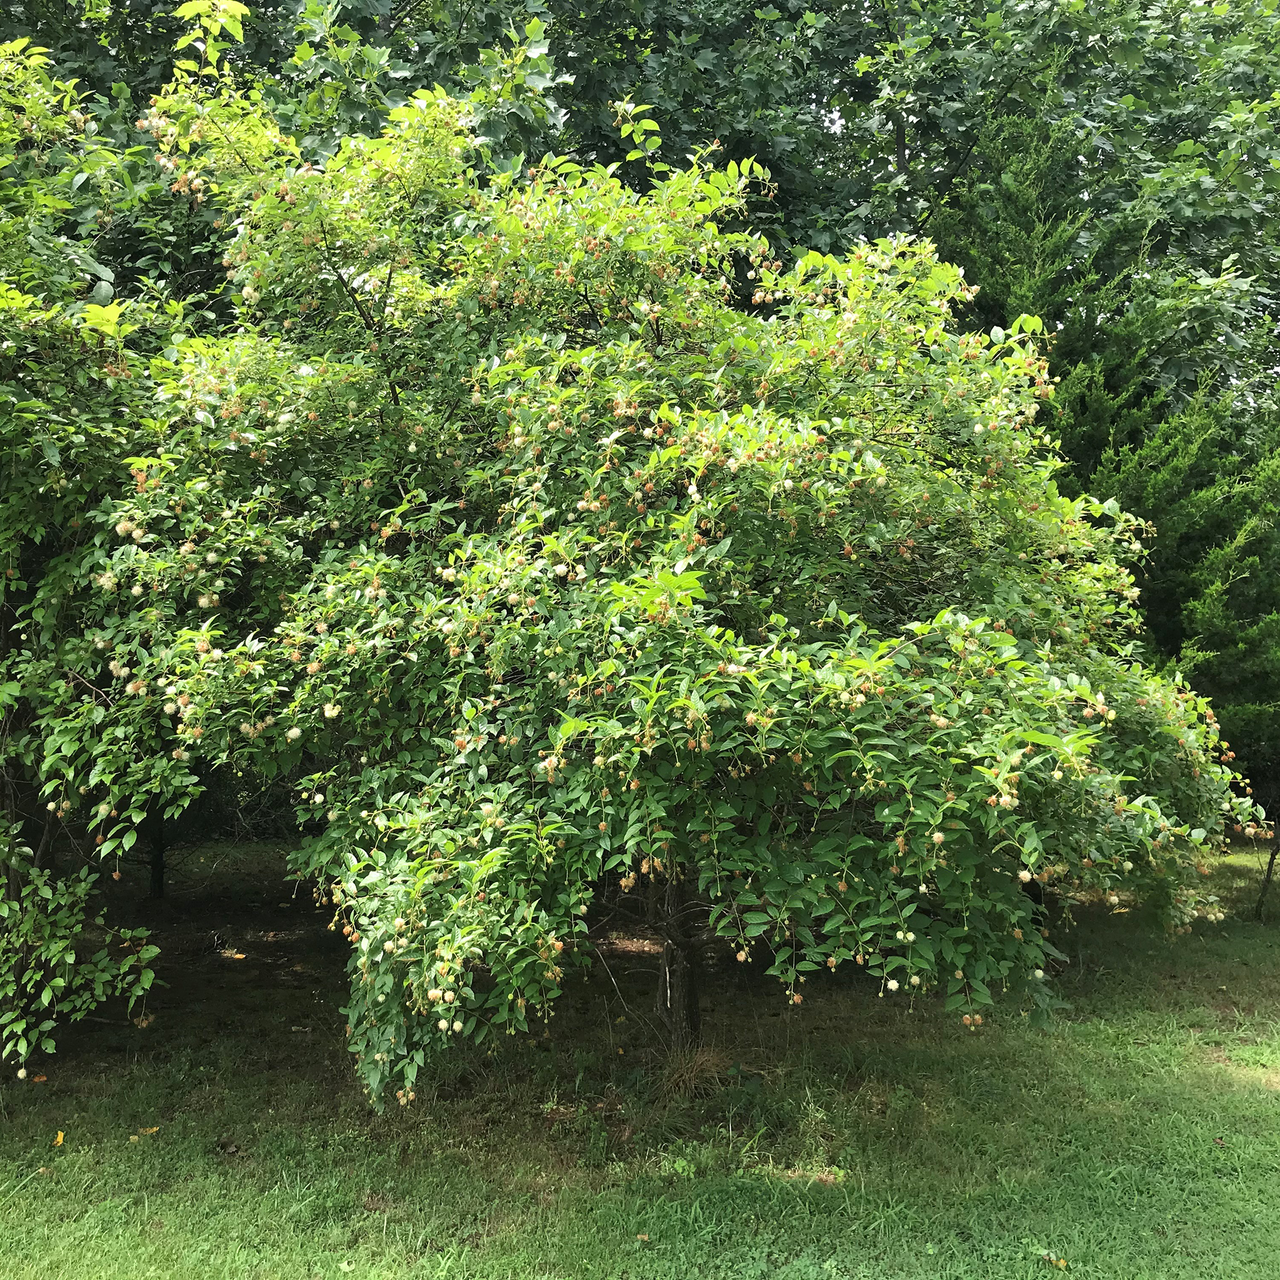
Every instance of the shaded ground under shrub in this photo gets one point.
(1137, 1137)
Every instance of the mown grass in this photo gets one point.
(1138, 1137)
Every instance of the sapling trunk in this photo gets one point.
(155, 832)
(1266, 883)
(677, 995)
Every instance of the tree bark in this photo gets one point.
(155, 832)
(46, 842)
(677, 996)
(13, 822)
(1266, 883)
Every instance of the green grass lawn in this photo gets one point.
(1138, 1138)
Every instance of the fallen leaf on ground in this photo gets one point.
(57, 1142)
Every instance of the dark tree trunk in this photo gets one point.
(154, 828)
(45, 846)
(14, 884)
(677, 995)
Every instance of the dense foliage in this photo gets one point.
(1112, 168)
(552, 570)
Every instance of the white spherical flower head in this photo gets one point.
(331, 710)
(294, 734)
(22, 1073)
(1128, 866)
(457, 1026)
(211, 557)
(915, 979)
(135, 590)
(443, 1024)
(1024, 875)
(1039, 975)
(892, 984)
